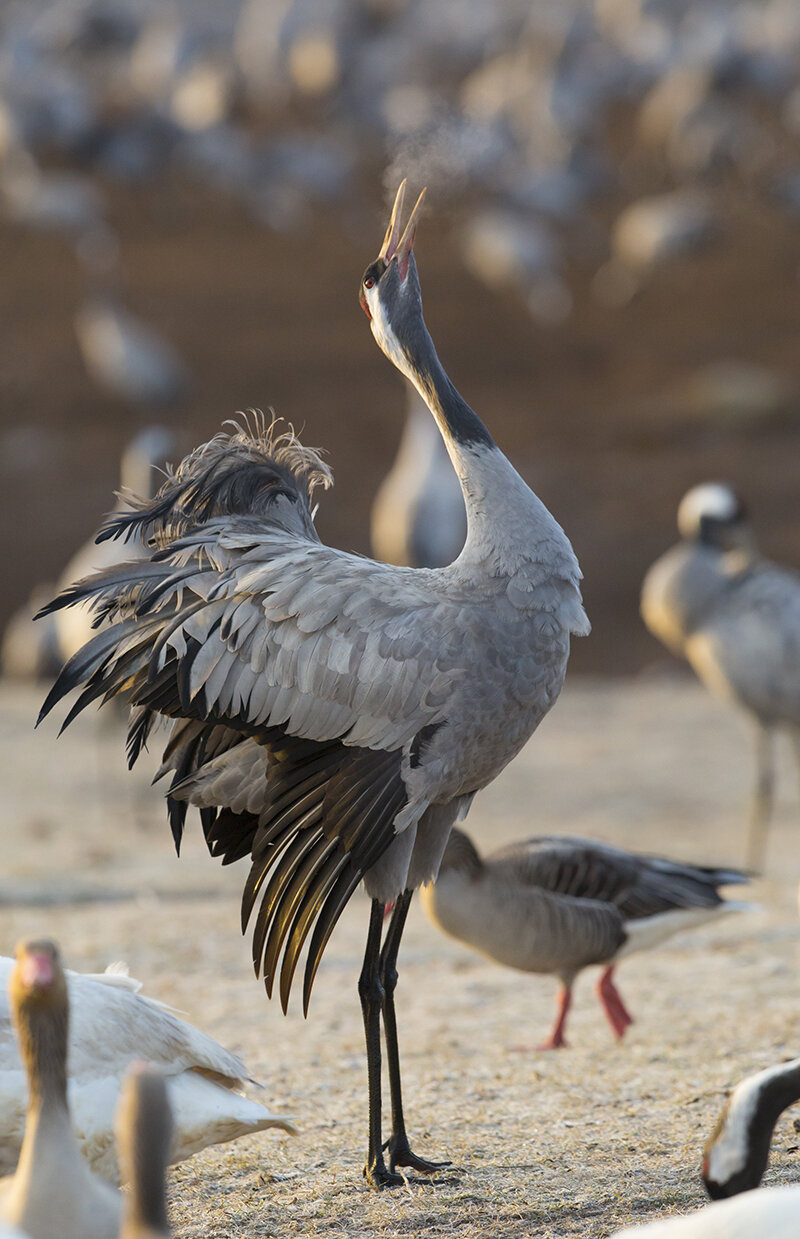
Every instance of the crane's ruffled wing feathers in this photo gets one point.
(329, 816)
(253, 471)
(255, 636)
(639, 886)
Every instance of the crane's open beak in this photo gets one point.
(395, 245)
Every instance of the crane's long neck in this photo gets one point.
(505, 519)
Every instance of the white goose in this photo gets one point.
(110, 1025)
(772, 1213)
(559, 904)
(52, 1192)
(737, 1150)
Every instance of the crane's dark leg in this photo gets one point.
(397, 1145)
(371, 993)
(762, 800)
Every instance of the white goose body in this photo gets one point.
(110, 1025)
(559, 904)
(770, 1213)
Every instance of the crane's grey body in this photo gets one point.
(381, 697)
(557, 904)
(735, 617)
(418, 516)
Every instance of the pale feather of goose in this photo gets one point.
(769, 1212)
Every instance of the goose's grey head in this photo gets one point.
(390, 295)
(713, 514)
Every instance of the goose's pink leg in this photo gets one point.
(616, 1012)
(557, 1040)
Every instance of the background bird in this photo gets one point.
(558, 904)
(418, 516)
(737, 1151)
(772, 1212)
(334, 716)
(714, 600)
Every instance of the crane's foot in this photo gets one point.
(379, 1177)
(400, 1155)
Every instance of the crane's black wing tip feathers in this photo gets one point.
(311, 851)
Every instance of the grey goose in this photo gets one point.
(557, 904)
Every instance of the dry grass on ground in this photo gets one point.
(547, 1145)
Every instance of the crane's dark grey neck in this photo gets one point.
(456, 419)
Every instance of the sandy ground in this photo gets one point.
(574, 1143)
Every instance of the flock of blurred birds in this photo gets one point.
(506, 111)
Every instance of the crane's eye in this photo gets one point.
(369, 282)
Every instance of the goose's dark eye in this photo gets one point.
(369, 282)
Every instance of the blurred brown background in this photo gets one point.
(613, 373)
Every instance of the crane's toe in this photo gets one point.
(379, 1177)
(400, 1155)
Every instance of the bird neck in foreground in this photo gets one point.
(42, 1032)
(778, 1088)
(144, 1154)
(50, 1152)
(745, 1129)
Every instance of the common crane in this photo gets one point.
(334, 716)
(735, 617)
